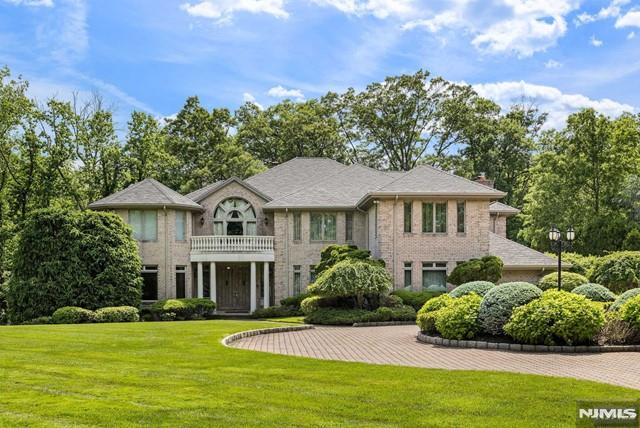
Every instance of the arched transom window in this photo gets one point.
(234, 216)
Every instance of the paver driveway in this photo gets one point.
(398, 345)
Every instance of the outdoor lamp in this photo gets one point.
(571, 234)
(554, 234)
(558, 244)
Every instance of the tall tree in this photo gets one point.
(289, 129)
(205, 151)
(145, 149)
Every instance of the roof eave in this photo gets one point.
(114, 206)
(468, 195)
(227, 182)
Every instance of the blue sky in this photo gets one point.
(151, 55)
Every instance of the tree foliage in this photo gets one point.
(335, 253)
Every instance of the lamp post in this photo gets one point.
(558, 244)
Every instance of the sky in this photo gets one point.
(151, 55)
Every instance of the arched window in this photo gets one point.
(234, 216)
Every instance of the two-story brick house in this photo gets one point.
(249, 243)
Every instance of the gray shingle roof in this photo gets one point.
(147, 193)
(200, 194)
(500, 208)
(197, 195)
(518, 256)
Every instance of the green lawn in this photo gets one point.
(178, 374)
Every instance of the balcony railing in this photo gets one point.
(231, 244)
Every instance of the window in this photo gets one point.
(437, 217)
(297, 234)
(348, 226)
(323, 227)
(407, 216)
(180, 281)
(461, 214)
(149, 282)
(408, 269)
(234, 216)
(181, 226)
(144, 224)
(312, 274)
(434, 276)
(297, 280)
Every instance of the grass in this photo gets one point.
(289, 320)
(178, 374)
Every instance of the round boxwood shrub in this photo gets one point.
(630, 312)
(478, 287)
(558, 317)
(622, 299)
(500, 301)
(118, 314)
(71, 258)
(459, 319)
(595, 292)
(427, 315)
(570, 281)
(488, 268)
(72, 315)
(618, 271)
(356, 278)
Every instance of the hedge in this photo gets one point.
(499, 302)
(557, 318)
(182, 309)
(337, 316)
(72, 315)
(69, 258)
(618, 271)
(478, 287)
(117, 314)
(595, 292)
(570, 281)
(416, 299)
(277, 312)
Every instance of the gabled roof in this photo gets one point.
(500, 208)
(146, 193)
(201, 194)
(341, 190)
(518, 256)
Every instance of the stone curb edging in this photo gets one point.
(382, 323)
(478, 344)
(237, 336)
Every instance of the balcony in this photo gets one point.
(231, 248)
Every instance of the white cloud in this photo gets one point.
(595, 42)
(552, 63)
(32, 3)
(223, 10)
(611, 11)
(249, 98)
(280, 92)
(549, 99)
(631, 35)
(630, 19)
(63, 34)
(378, 8)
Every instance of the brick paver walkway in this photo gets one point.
(398, 345)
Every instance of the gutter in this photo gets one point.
(166, 252)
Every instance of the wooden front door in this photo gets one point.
(233, 287)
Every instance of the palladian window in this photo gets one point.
(234, 216)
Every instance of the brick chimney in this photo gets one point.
(482, 179)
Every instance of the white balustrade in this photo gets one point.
(231, 244)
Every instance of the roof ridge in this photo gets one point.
(161, 188)
(450, 174)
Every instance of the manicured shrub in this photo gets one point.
(618, 271)
(117, 314)
(595, 292)
(294, 300)
(459, 319)
(630, 312)
(38, 321)
(478, 287)
(428, 314)
(570, 281)
(499, 302)
(558, 317)
(73, 315)
(183, 309)
(416, 299)
(337, 316)
(347, 278)
(333, 254)
(488, 268)
(622, 299)
(277, 312)
(391, 301)
(310, 304)
(70, 258)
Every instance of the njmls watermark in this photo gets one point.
(608, 414)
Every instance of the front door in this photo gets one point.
(233, 287)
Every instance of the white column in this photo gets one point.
(253, 287)
(265, 281)
(200, 280)
(212, 282)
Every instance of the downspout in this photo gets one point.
(286, 249)
(395, 227)
(166, 252)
